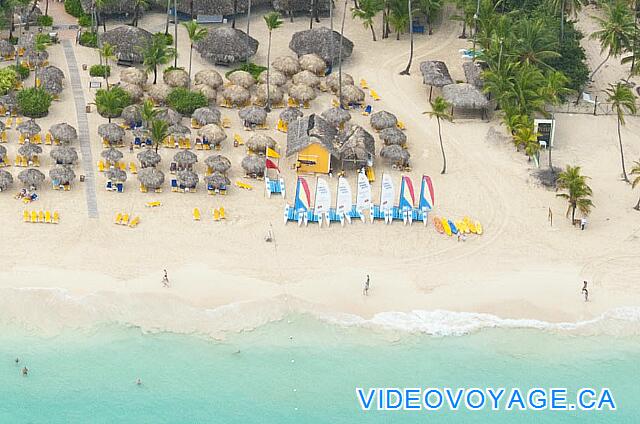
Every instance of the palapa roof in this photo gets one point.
(31, 177)
(383, 119)
(168, 115)
(242, 78)
(64, 155)
(29, 128)
(291, 114)
(395, 154)
(29, 150)
(285, 6)
(127, 41)
(318, 40)
(210, 93)
(133, 76)
(352, 94)
(333, 80)
(209, 77)
(36, 57)
(212, 7)
(176, 78)
(313, 63)
(276, 94)
(3, 151)
(302, 93)
(473, 73)
(63, 132)
(116, 174)
(187, 178)
(148, 157)
(151, 177)
(259, 142)
(159, 92)
(254, 164)
(135, 91)
(308, 130)
(217, 180)
(52, 86)
(435, 73)
(185, 157)
(62, 174)
(111, 132)
(253, 115)
(179, 130)
(336, 115)
(6, 179)
(132, 114)
(218, 163)
(112, 155)
(236, 95)
(110, 7)
(9, 100)
(287, 65)
(464, 96)
(227, 45)
(6, 48)
(393, 135)
(206, 115)
(51, 72)
(275, 78)
(2, 126)
(307, 78)
(214, 133)
(355, 144)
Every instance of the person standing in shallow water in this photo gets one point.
(25, 371)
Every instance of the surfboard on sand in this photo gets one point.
(478, 227)
(437, 223)
(445, 225)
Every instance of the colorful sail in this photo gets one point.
(407, 198)
(426, 194)
(323, 197)
(387, 193)
(344, 202)
(363, 198)
(303, 196)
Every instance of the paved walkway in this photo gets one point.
(83, 129)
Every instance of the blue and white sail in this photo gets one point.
(387, 194)
(363, 196)
(322, 201)
(299, 211)
(407, 200)
(344, 203)
(427, 197)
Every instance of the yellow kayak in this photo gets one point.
(470, 224)
(445, 225)
(478, 227)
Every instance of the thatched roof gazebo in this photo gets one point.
(302, 93)
(393, 135)
(63, 132)
(7, 49)
(112, 155)
(291, 114)
(159, 93)
(318, 40)
(356, 146)
(179, 131)
(313, 63)
(2, 126)
(206, 115)
(148, 158)
(6, 179)
(111, 132)
(465, 96)
(226, 45)
(133, 76)
(213, 7)
(112, 7)
(213, 133)
(236, 96)
(396, 155)
(3, 152)
(253, 115)
(64, 155)
(351, 95)
(242, 78)
(218, 163)
(383, 119)
(185, 158)
(62, 175)
(307, 78)
(276, 78)
(169, 115)
(29, 128)
(217, 181)
(187, 179)
(127, 41)
(337, 116)
(287, 65)
(258, 143)
(9, 101)
(151, 178)
(210, 93)
(51, 72)
(209, 77)
(276, 94)
(310, 129)
(176, 78)
(254, 165)
(29, 150)
(435, 74)
(31, 177)
(332, 81)
(132, 115)
(115, 174)
(36, 57)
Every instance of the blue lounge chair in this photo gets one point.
(137, 142)
(148, 142)
(109, 186)
(120, 187)
(367, 110)
(174, 185)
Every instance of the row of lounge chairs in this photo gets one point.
(57, 186)
(111, 186)
(123, 219)
(218, 214)
(144, 189)
(41, 216)
(24, 162)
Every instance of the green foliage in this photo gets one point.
(45, 21)
(84, 21)
(100, 70)
(168, 38)
(73, 8)
(159, 131)
(578, 192)
(366, 12)
(111, 102)
(185, 101)
(22, 71)
(157, 53)
(252, 68)
(572, 61)
(172, 68)
(8, 80)
(34, 102)
(89, 39)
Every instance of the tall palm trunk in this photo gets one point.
(624, 170)
(407, 69)
(562, 22)
(599, 66)
(344, 14)
(248, 26)
(635, 40)
(166, 26)
(175, 33)
(373, 32)
(155, 74)
(573, 211)
(190, 56)
(46, 8)
(464, 29)
(444, 158)
(268, 107)
(235, 12)
(637, 206)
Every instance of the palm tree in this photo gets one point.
(525, 136)
(273, 22)
(571, 7)
(636, 181)
(108, 103)
(615, 33)
(148, 112)
(175, 32)
(107, 52)
(430, 8)
(344, 15)
(139, 6)
(367, 12)
(621, 99)
(440, 110)
(535, 43)
(159, 131)
(248, 26)
(407, 69)
(157, 53)
(196, 34)
(578, 191)
(399, 18)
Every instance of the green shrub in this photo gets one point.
(168, 37)
(21, 71)
(185, 101)
(13, 40)
(252, 68)
(8, 80)
(84, 21)
(172, 68)
(73, 8)
(45, 21)
(42, 38)
(89, 39)
(111, 102)
(100, 71)
(34, 102)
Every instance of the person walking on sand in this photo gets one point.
(585, 292)
(165, 279)
(365, 291)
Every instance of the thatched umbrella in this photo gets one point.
(3, 151)
(188, 179)
(291, 114)
(51, 86)
(135, 91)
(396, 155)
(6, 48)
(111, 132)
(210, 93)
(169, 115)
(333, 81)
(133, 76)
(112, 155)
(276, 78)
(336, 116)
(128, 42)
(206, 115)
(242, 78)
(64, 155)
(36, 57)
(218, 163)
(253, 115)
(259, 142)
(132, 115)
(287, 65)
(473, 73)
(51, 72)
(115, 174)
(226, 45)
(179, 130)
(185, 158)
(352, 94)
(62, 174)
(302, 93)
(276, 94)
(149, 158)
(383, 119)
(176, 78)
(435, 74)
(236, 95)
(307, 78)
(217, 181)
(464, 96)
(159, 93)
(319, 41)
(393, 135)
(213, 133)
(2, 126)
(254, 165)
(63, 132)
(31, 177)
(9, 100)
(313, 63)
(209, 77)
(151, 178)
(356, 145)
(29, 128)
(29, 150)
(6, 179)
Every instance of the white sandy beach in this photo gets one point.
(88, 270)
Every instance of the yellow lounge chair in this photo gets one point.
(34, 216)
(153, 204)
(143, 189)
(9, 122)
(23, 162)
(18, 161)
(25, 216)
(134, 222)
(374, 95)
(118, 219)
(245, 186)
(216, 215)
(196, 214)
(222, 216)
(18, 121)
(47, 139)
(125, 219)
(335, 103)
(21, 139)
(238, 140)
(100, 166)
(67, 187)
(133, 168)
(56, 217)
(47, 217)
(400, 125)
(195, 124)
(363, 84)
(36, 161)
(122, 166)
(371, 175)
(37, 139)
(158, 190)
(4, 136)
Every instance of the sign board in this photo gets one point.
(95, 84)
(546, 129)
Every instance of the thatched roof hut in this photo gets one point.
(242, 78)
(473, 73)
(187, 179)
(127, 41)
(63, 132)
(218, 163)
(206, 115)
(116, 174)
(318, 40)
(51, 72)
(31, 177)
(64, 155)
(287, 65)
(159, 93)
(169, 115)
(151, 178)
(210, 93)
(332, 81)
(29, 150)
(464, 96)
(308, 130)
(313, 63)
(307, 78)
(336, 116)
(291, 114)
(29, 128)
(258, 143)
(435, 73)
(133, 76)
(352, 94)
(395, 155)
(148, 158)
(213, 133)
(226, 45)
(6, 48)
(179, 130)
(302, 93)
(111, 132)
(276, 94)
(176, 78)
(217, 181)
(209, 77)
(185, 158)
(112, 155)
(6, 179)
(254, 165)
(383, 119)
(132, 115)
(356, 146)
(393, 135)
(276, 78)
(62, 174)
(253, 115)
(51, 85)
(236, 95)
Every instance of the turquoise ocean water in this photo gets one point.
(298, 370)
